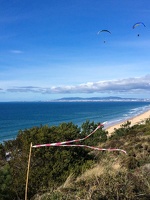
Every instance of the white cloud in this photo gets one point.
(128, 85)
(16, 51)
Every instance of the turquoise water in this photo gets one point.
(15, 116)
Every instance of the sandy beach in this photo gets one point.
(135, 120)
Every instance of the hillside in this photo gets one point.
(115, 175)
(78, 173)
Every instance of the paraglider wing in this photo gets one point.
(107, 31)
(103, 31)
(138, 24)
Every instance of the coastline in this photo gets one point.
(134, 120)
(25, 115)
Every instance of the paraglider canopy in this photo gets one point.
(138, 24)
(104, 30)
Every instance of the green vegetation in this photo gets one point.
(58, 173)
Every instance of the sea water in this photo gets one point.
(15, 116)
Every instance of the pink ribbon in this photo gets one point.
(67, 143)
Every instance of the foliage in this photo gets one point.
(122, 176)
(5, 183)
(124, 130)
(2, 152)
(50, 166)
(99, 136)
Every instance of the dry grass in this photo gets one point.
(89, 174)
(109, 165)
(69, 182)
(116, 166)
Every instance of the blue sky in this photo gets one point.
(50, 49)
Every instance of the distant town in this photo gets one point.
(99, 99)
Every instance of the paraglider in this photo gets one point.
(107, 31)
(138, 24)
(103, 31)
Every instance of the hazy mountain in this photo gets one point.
(111, 98)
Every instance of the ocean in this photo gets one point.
(15, 116)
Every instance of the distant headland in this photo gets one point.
(99, 99)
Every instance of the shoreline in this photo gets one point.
(138, 119)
